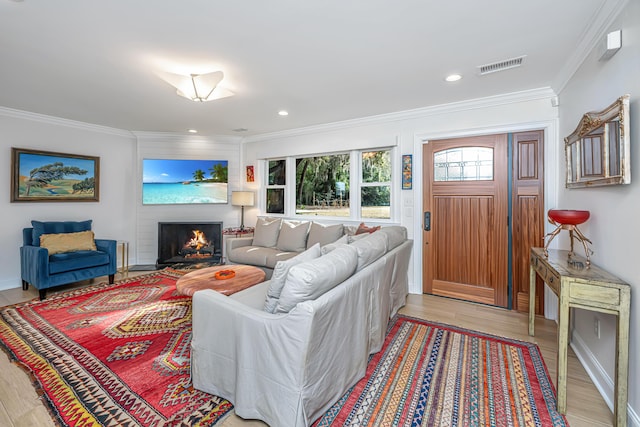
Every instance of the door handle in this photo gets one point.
(427, 221)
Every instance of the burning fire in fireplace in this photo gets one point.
(189, 242)
(198, 246)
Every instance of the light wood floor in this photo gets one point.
(21, 407)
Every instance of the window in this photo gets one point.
(356, 185)
(375, 188)
(463, 164)
(322, 185)
(276, 182)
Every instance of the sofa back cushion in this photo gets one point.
(309, 280)
(344, 240)
(280, 272)
(52, 227)
(370, 248)
(59, 243)
(266, 232)
(293, 236)
(324, 234)
(396, 235)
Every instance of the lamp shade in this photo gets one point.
(242, 198)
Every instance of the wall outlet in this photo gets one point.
(596, 327)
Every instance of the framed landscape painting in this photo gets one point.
(44, 176)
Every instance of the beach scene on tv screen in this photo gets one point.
(175, 181)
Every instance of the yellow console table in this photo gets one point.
(590, 289)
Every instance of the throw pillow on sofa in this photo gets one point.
(324, 234)
(59, 243)
(331, 246)
(362, 228)
(266, 232)
(309, 280)
(370, 248)
(293, 236)
(280, 275)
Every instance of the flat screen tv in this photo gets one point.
(176, 181)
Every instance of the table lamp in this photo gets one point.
(242, 199)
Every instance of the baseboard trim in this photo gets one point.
(600, 378)
(10, 284)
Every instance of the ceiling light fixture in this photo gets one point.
(453, 77)
(192, 131)
(283, 113)
(198, 87)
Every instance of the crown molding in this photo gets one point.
(471, 104)
(182, 137)
(58, 121)
(593, 34)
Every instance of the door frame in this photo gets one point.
(551, 181)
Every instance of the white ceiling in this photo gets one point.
(96, 61)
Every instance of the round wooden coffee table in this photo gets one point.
(246, 276)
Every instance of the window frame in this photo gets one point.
(276, 186)
(364, 184)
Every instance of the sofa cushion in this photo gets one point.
(396, 235)
(252, 255)
(324, 234)
(357, 237)
(370, 248)
(69, 261)
(331, 246)
(266, 232)
(68, 242)
(280, 275)
(309, 280)
(51, 227)
(293, 236)
(276, 256)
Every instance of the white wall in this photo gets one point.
(112, 215)
(407, 131)
(163, 146)
(119, 214)
(613, 226)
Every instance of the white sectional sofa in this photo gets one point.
(331, 311)
(276, 240)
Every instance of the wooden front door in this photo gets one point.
(465, 226)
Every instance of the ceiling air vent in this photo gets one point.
(501, 65)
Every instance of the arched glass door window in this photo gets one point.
(463, 164)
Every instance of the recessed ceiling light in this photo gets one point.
(192, 131)
(283, 113)
(453, 77)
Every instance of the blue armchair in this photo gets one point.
(45, 271)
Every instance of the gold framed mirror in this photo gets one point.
(598, 150)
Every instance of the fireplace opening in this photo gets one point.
(189, 242)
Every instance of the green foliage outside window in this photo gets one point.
(322, 180)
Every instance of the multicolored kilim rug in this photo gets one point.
(112, 355)
(431, 374)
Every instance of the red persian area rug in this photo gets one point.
(112, 355)
(430, 374)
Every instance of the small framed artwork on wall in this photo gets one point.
(250, 174)
(407, 178)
